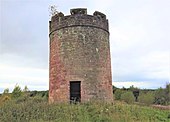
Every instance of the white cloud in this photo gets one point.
(140, 43)
(34, 78)
(151, 66)
(156, 65)
(139, 40)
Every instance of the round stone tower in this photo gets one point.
(80, 64)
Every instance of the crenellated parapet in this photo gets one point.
(79, 17)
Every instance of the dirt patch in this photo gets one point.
(161, 107)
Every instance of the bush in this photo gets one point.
(128, 97)
(6, 91)
(25, 89)
(146, 98)
(167, 92)
(17, 92)
(162, 96)
(118, 93)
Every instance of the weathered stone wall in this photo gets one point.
(80, 51)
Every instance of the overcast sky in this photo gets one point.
(139, 41)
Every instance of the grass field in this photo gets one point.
(37, 109)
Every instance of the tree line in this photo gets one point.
(160, 96)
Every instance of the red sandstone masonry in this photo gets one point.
(79, 51)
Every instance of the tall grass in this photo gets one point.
(38, 110)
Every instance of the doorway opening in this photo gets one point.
(75, 91)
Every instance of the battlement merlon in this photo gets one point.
(78, 17)
(78, 11)
(99, 14)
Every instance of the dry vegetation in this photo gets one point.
(25, 106)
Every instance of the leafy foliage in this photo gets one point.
(17, 92)
(6, 91)
(159, 96)
(118, 94)
(146, 98)
(162, 96)
(25, 89)
(128, 97)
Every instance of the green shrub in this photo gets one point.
(167, 92)
(25, 89)
(17, 92)
(128, 97)
(146, 98)
(118, 93)
(162, 96)
(6, 91)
